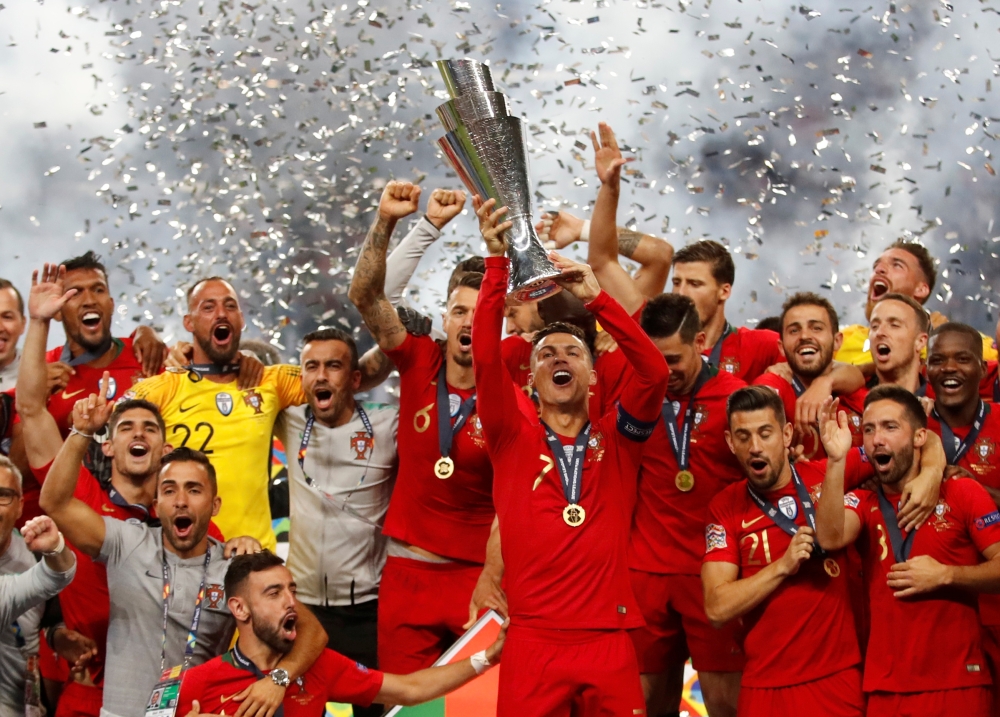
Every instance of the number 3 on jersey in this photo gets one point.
(202, 432)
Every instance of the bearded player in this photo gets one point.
(925, 654)
(565, 489)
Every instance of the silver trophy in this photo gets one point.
(485, 146)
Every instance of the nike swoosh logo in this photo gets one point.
(67, 396)
(182, 409)
(223, 699)
(107, 509)
(523, 367)
(748, 524)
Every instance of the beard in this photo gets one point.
(463, 360)
(902, 461)
(270, 636)
(769, 480)
(93, 346)
(811, 372)
(216, 356)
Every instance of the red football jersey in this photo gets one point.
(853, 404)
(929, 642)
(804, 630)
(332, 678)
(450, 517)
(556, 575)
(667, 528)
(989, 387)
(746, 353)
(517, 357)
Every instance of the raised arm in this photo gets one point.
(602, 252)
(81, 525)
(836, 526)
(44, 580)
(41, 434)
(367, 292)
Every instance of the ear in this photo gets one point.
(729, 441)
(725, 291)
(838, 341)
(593, 378)
(166, 449)
(700, 339)
(355, 381)
(787, 433)
(919, 437)
(921, 292)
(188, 323)
(921, 343)
(238, 608)
(216, 505)
(531, 380)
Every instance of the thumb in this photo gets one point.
(473, 614)
(195, 708)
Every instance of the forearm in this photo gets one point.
(60, 484)
(368, 283)
(982, 578)
(731, 600)
(830, 511)
(846, 378)
(375, 368)
(425, 685)
(493, 568)
(32, 375)
(403, 260)
(23, 591)
(310, 641)
(602, 246)
(654, 256)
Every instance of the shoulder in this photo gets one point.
(168, 381)
(416, 346)
(53, 355)
(725, 383)
(281, 371)
(729, 498)
(961, 490)
(758, 337)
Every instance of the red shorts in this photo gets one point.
(558, 673)
(421, 609)
(79, 700)
(991, 650)
(838, 695)
(967, 702)
(676, 627)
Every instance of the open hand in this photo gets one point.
(607, 157)
(835, 432)
(47, 297)
(576, 278)
(559, 230)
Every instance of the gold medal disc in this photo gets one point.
(684, 481)
(574, 515)
(444, 467)
(831, 567)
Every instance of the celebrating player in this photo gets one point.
(899, 327)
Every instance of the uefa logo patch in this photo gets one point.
(224, 402)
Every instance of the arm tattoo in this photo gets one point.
(368, 283)
(628, 240)
(375, 368)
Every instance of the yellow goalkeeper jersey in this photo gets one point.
(854, 350)
(233, 428)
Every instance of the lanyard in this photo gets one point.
(570, 470)
(245, 663)
(304, 447)
(447, 429)
(680, 441)
(115, 497)
(716, 355)
(783, 521)
(192, 637)
(197, 371)
(88, 355)
(953, 448)
(996, 388)
(901, 548)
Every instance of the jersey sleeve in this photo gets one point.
(348, 681)
(857, 469)
(120, 539)
(414, 350)
(288, 385)
(192, 688)
(721, 538)
(780, 386)
(981, 516)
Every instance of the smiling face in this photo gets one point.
(760, 443)
(267, 601)
(955, 368)
(136, 444)
(694, 280)
(808, 340)
(562, 371)
(86, 317)
(12, 323)
(895, 337)
(328, 379)
(890, 440)
(215, 320)
(457, 324)
(896, 271)
(185, 504)
(684, 361)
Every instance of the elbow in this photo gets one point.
(663, 252)
(357, 296)
(716, 617)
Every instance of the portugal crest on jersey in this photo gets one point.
(730, 364)
(982, 452)
(254, 400)
(224, 402)
(361, 444)
(215, 594)
(596, 444)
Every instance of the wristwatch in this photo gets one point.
(280, 677)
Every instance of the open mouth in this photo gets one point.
(183, 526)
(138, 450)
(882, 351)
(91, 320)
(807, 350)
(465, 342)
(222, 333)
(562, 377)
(758, 465)
(882, 460)
(879, 289)
(324, 397)
(288, 625)
(951, 384)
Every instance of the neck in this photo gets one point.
(957, 416)
(265, 657)
(784, 478)
(807, 382)
(340, 418)
(107, 357)
(199, 548)
(907, 376)
(897, 487)
(200, 357)
(137, 490)
(566, 421)
(459, 376)
(714, 327)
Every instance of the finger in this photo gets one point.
(34, 278)
(899, 567)
(593, 139)
(495, 216)
(906, 593)
(607, 135)
(460, 197)
(195, 706)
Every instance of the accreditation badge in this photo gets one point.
(163, 699)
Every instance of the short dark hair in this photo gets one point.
(5, 284)
(131, 403)
(242, 566)
(199, 282)
(471, 264)
(899, 395)
(561, 327)
(90, 260)
(755, 398)
(333, 334)
(923, 257)
(712, 253)
(190, 455)
(954, 327)
(770, 323)
(809, 298)
(666, 314)
(923, 320)
(470, 279)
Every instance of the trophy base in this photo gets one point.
(535, 291)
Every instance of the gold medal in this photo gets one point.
(574, 515)
(831, 567)
(444, 467)
(684, 481)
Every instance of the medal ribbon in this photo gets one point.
(446, 428)
(245, 663)
(901, 548)
(192, 637)
(197, 371)
(797, 386)
(783, 521)
(716, 355)
(953, 448)
(118, 499)
(570, 471)
(996, 388)
(88, 355)
(680, 441)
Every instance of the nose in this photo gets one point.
(509, 326)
